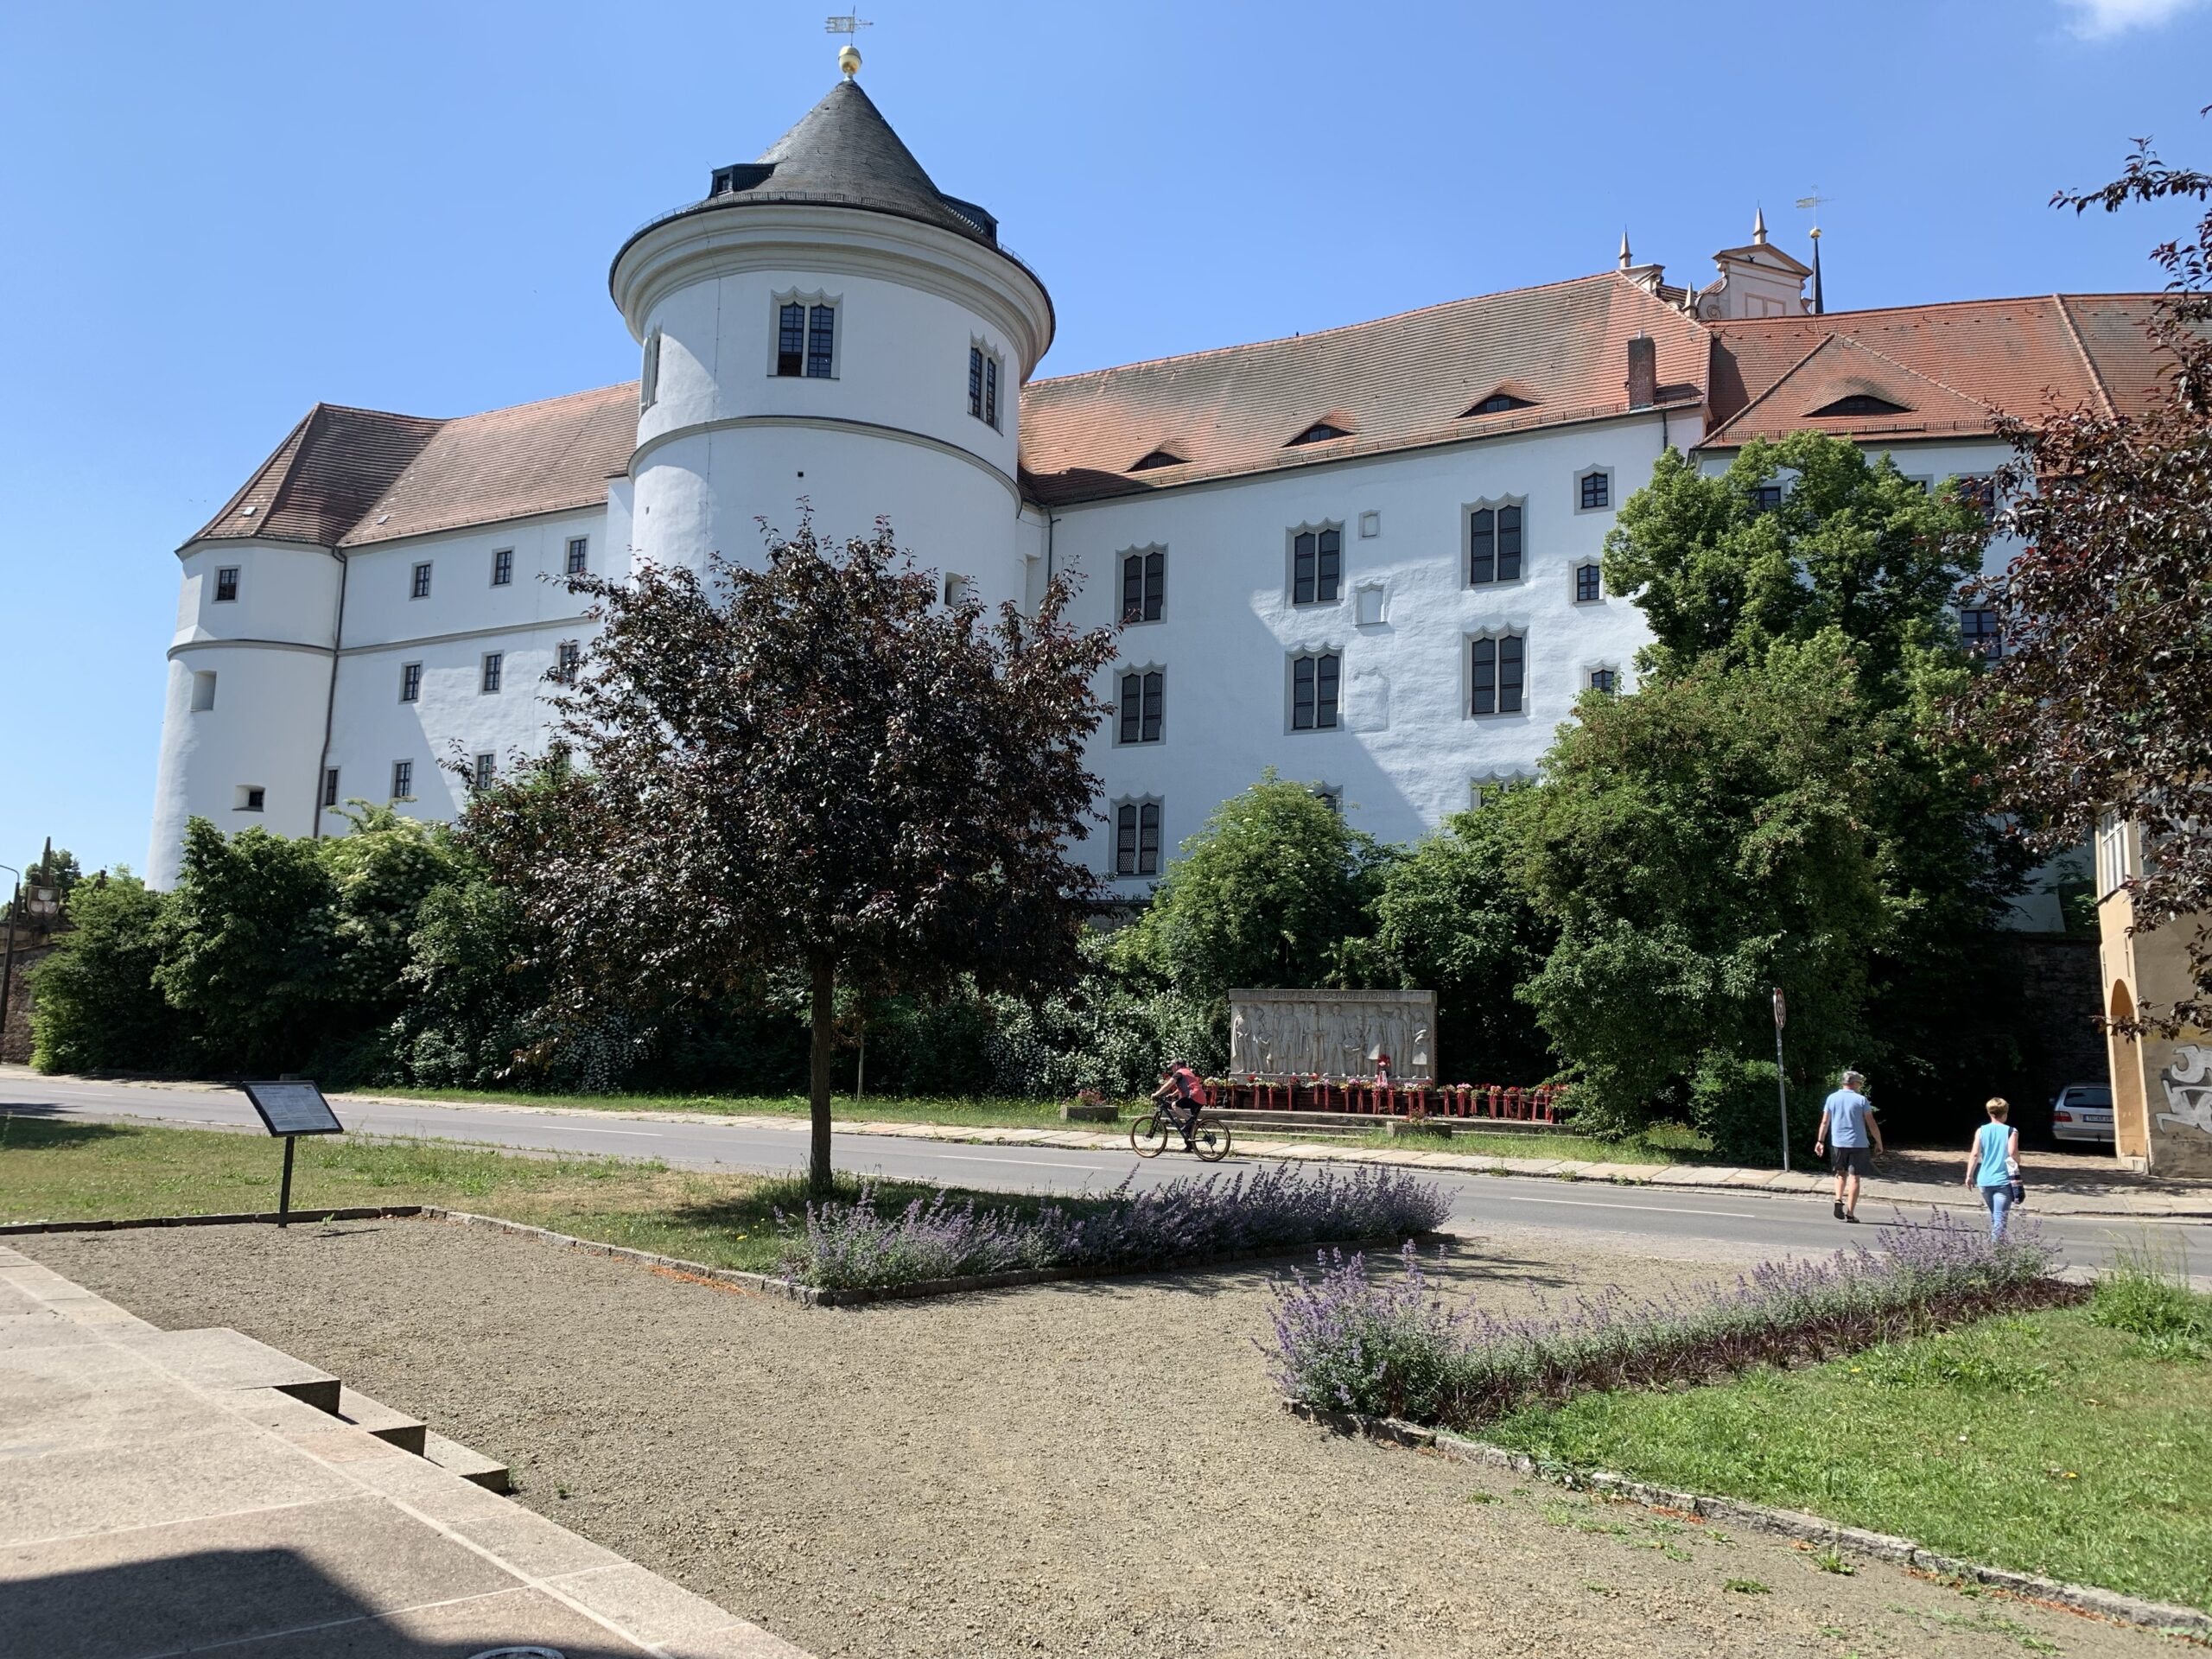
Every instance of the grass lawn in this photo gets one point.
(2045, 1442)
(1571, 1148)
(82, 1172)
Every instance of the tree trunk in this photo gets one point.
(825, 996)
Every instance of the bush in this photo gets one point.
(2148, 1298)
(94, 1004)
(856, 1246)
(1344, 1343)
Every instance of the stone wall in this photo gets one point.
(1332, 1033)
(16, 1039)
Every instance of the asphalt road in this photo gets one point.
(1675, 1222)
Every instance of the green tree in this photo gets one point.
(1695, 843)
(1451, 917)
(814, 766)
(95, 1005)
(381, 871)
(1264, 895)
(250, 948)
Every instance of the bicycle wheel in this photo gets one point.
(1148, 1135)
(1209, 1141)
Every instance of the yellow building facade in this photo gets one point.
(2161, 1087)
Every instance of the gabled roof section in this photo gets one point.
(324, 475)
(2025, 357)
(1401, 383)
(1839, 368)
(509, 463)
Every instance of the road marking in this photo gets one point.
(1026, 1163)
(650, 1135)
(1635, 1209)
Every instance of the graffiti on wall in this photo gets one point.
(2188, 1083)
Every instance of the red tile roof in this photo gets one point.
(1396, 384)
(2024, 357)
(323, 477)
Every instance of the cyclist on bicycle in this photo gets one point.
(1181, 1096)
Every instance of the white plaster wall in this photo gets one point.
(269, 652)
(1407, 752)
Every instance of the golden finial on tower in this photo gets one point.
(848, 60)
(849, 22)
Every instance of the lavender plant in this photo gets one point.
(1343, 1341)
(863, 1245)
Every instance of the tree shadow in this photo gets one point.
(40, 1129)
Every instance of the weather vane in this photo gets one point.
(847, 23)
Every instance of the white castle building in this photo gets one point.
(1367, 557)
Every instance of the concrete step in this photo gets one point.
(456, 1458)
(395, 1427)
(221, 1359)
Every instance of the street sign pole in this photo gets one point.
(1781, 1082)
(284, 1193)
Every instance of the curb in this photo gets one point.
(2167, 1617)
(373, 1213)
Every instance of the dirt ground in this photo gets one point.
(1092, 1469)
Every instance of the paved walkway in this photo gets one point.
(165, 1492)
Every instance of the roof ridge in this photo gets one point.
(2081, 348)
(1938, 305)
(540, 402)
(1317, 333)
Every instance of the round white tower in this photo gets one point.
(826, 325)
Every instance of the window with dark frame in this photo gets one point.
(418, 585)
(1314, 684)
(1500, 674)
(1596, 490)
(410, 681)
(1766, 498)
(1144, 585)
(482, 776)
(791, 341)
(1320, 432)
(1589, 583)
(568, 658)
(820, 341)
(1604, 679)
(1331, 798)
(1142, 696)
(975, 381)
(991, 391)
(579, 559)
(330, 785)
(503, 567)
(1317, 565)
(1136, 839)
(649, 373)
(256, 797)
(227, 584)
(495, 664)
(1494, 545)
(403, 780)
(1979, 633)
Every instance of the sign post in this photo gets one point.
(288, 1110)
(1782, 1083)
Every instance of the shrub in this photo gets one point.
(95, 1006)
(857, 1246)
(1343, 1342)
(2150, 1298)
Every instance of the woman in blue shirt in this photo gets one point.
(1992, 1161)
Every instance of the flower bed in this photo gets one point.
(859, 1247)
(1343, 1342)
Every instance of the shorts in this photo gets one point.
(1854, 1160)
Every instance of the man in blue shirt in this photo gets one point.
(1847, 1121)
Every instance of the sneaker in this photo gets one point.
(1840, 1216)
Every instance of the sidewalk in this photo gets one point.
(165, 1491)
(2062, 1184)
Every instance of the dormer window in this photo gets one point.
(1152, 458)
(1498, 402)
(1861, 403)
(1320, 432)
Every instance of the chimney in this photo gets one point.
(1643, 371)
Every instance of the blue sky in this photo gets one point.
(219, 214)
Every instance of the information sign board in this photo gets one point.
(290, 1108)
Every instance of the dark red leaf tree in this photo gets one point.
(2102, 703)
(816, 767)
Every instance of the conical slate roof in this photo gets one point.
(843, 153)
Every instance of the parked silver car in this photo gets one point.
(2082, 1111)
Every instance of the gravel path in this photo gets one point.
(1089, 1468)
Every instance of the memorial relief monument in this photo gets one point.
(1332, 1033)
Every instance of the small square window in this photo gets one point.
(579, 559)
(227, 584)
(1370, 526)
(1605, 680)
(410, 681)
(1331, 798)
(1766, 498)
(203, 691)
(418, 585)
(482, 774)
(495, 667)
(503, 567)
(402, 780)
(252, 797)
(330, 786)
(1979, 633)
(1596, 490)
(568, 658)
(1368, 602)
(1589, 584)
